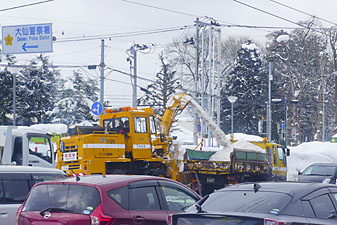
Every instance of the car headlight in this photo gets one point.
(326, 181)
(329, 181)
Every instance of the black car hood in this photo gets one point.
(311, 178)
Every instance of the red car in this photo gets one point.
(105, 200)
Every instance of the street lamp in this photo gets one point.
(283, 38)
(232, 99)
(14, 70)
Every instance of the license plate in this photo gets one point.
(210, 180)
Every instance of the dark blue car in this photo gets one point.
(269, 203)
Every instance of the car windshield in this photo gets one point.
(245, 201)
(320, 170)
(71, 198)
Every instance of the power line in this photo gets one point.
(156, 7)
(297, 10)
(258, 27)
(22, 6)
(271, 14)
(119, 35)
(282, 18)
(74, 52)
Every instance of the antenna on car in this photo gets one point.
(257, 187)
(77, 177)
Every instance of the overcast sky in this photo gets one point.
(84, 18)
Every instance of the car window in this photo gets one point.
(246, 201)
(40, 146)
(40, 177)
(140, 125)
(307, 209)
(322, 206)
(17, 154)
(13, 191)
(143, 198)
(176, 198)
(14, 187)
(120, 196)
(76, 198)
(280, 154)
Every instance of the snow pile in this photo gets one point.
(51, 128)
(243, 144)
(307, 153)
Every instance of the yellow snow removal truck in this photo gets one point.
(129, 141)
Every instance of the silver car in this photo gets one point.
(16, 182)
(319, 172)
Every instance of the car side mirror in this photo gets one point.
(333, 214)
(288, 152)
(299, 172)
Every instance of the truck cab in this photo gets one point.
(26, 146)
(121, 144)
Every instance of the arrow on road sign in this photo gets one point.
(97, 108)
(24, 46)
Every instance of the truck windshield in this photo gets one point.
(40, 146)
(117, 125)
(319, 170)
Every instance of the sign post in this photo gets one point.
(31, 38)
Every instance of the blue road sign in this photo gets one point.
(97, 108)
(31, 38)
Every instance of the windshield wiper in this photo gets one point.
(55, 210)
(314, 174)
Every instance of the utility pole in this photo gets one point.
(210, 62)
(219, 79)
(285, 121)
(196, 80)
(14, 99)
(132, 52)
(269, 120)
(203, 78)
(134, 96)
(101, 100)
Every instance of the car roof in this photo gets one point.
(27, 169)
(323, 164)
(295, 189)
(107, 180)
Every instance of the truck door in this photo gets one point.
(141, 142)
(279, 164)
(40, 151)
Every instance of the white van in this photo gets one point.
(16, 182)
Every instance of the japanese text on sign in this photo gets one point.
(71, 156)
(33, 38)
